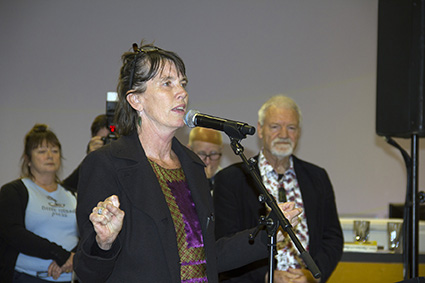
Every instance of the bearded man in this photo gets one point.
(286, 178)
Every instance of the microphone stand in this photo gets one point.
(411, 208)
(275, 217)
(407, 220)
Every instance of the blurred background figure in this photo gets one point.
(38, 228)
(286, 178)
(99, 133)
(208, 145)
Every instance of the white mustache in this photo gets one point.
(278, 140)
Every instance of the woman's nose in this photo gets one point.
(49, 153)
(182, 93)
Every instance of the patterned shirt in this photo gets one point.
(186, 222)
(285, 187)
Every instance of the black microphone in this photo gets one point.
(233, 128)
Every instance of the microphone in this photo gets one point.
(233, 128)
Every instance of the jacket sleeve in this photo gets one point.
(238, 250)
(236, 201)
(90, 263)
(236, 209)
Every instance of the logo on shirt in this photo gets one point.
(54, 202)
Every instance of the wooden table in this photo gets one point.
(372, 267)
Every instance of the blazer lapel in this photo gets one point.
(309, 194)
(138, 179)
(195, 175)
(193, 169)
(142, 188)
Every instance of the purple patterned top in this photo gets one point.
(186, 222)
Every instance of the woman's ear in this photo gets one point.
(134, 100)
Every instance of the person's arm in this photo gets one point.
(13, 202)
(237, 208)
(97, 182)
(235, 219)
(226, 204)
(238, 250)
(71, 182)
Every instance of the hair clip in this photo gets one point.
(137, 50)
(144, 49)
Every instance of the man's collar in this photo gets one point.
(265, 166)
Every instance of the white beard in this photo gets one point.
(282, 151)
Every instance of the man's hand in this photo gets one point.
(290, 212)
(293, 276)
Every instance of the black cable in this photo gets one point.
(407, 207)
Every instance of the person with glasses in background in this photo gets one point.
(38, 227)
(144, 211)
(208, 145)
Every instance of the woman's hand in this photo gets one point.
(107, 221)
(67, 266)
(54, 270)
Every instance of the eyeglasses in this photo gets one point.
(213, 155)
(143, 49)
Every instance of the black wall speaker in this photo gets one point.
(400, 68)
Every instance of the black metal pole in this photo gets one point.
(272, 240)
(415, 206)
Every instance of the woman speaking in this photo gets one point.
(144, 210)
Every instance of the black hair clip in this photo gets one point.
(144, 49)
(137, 50)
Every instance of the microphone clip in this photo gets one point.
(234, 130)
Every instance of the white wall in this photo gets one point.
(59, 58)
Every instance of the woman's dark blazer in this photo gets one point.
(146, 248)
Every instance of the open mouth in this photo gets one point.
(180, 109)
